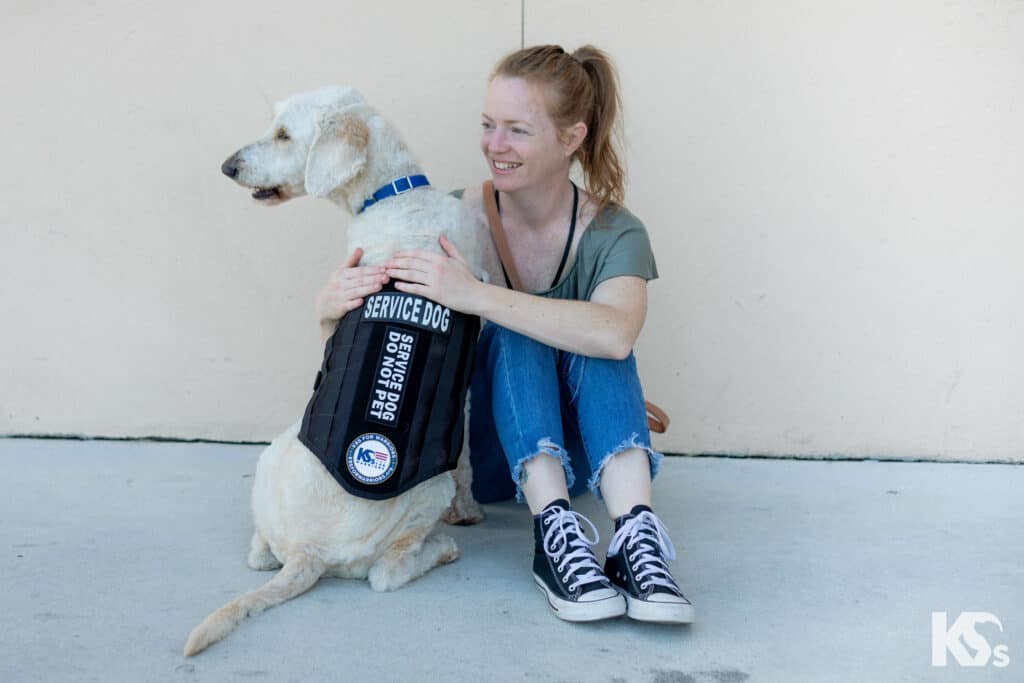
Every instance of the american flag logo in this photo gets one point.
(368, 456)
(372, 458)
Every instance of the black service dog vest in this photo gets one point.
(387, 411)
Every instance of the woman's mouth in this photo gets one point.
(505, 165)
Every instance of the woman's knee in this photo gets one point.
(522, 372)
(512, 342)
(602, 373)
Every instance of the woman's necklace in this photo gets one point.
(568, 242)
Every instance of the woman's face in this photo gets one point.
(519, 139)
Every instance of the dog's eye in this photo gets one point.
(282, 134)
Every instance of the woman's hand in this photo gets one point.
(444, 278)
(346, 289)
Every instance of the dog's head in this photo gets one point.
(316, 144)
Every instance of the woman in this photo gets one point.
(556, 363)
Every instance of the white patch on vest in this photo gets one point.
(391, 376)
(407, 308)
(372, 458)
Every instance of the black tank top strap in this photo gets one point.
(572, 231)
(497, 202)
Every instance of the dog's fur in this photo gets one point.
(328, 143)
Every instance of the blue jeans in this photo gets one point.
(528, 398)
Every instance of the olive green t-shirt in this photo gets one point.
(615, 243)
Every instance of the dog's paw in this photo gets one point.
(447, 550)
(463, 511)
(261, 557)
(263, 561)
(392, 571)
(381, 579)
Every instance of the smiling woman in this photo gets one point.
(562, 347)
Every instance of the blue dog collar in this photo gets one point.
(395, 187)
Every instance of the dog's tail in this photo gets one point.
(297, 576)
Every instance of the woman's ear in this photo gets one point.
(338, 152)
(573, 136)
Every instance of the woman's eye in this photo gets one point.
(282, 134)
(485, 125)
(519, 131)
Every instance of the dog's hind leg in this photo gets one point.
(260, 556)
(298, 575)
(409, 557)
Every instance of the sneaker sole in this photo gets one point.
(659, 612)
(609, 608)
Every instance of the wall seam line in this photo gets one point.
(522, 24)
(888, 459)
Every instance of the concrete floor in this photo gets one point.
(800, 571)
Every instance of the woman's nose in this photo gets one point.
(496, 141)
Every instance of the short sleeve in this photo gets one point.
(627, 251)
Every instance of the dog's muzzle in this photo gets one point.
(233, 167)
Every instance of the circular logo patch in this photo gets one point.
(372, 458)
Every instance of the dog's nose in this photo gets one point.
(230, 167)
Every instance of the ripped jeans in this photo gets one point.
(529, 398)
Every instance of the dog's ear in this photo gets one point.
(338, 152)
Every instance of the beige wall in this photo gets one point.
(830, 189)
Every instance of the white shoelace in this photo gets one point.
(648, 535)
(575, 554)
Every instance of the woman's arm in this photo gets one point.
(345, 290)
(604, 327)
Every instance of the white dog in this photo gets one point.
(328, 143)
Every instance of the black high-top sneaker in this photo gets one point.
(565, 569)
(636, 565)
